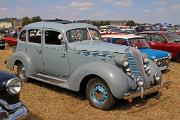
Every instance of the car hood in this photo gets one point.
(4, 77)
(98, 46)
(152, 53)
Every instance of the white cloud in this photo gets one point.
(107, 1)
(24, 0)
(123, 3)
(81, 5)
(3, 9)
(175, 8)
(162, 2)
(146, 11)
(20, 9)
(160, 9)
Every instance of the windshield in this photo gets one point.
(173, 37)
(82, 34)
(138, 42)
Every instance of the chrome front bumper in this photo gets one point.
(146, 91)
(15, 111)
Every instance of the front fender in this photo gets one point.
(111, 74)
(24, 59)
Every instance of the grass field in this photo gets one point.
(48, 102)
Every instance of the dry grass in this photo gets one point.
(48, 102)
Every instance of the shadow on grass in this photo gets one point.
(31, 116)
(78, 95)
(122, 105)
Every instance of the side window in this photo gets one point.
(34, 36)
(53, 37)
(146, 37)
(77, 35)
(158, 38)
(22, 36)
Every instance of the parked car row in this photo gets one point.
(162, 58)
(74, 56)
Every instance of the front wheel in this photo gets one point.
(21, 72)
(99, 94)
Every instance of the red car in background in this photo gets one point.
(10, 40)
(163, 40)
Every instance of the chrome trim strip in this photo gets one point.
(147, 91)
(10, 107)
(20, 113)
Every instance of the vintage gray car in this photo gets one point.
(72, 56)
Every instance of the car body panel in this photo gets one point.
(81, 59)
(164, 44)
(151, 53)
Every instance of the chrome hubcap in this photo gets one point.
(22, 73)
(99, 94)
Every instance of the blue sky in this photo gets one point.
(149, 11)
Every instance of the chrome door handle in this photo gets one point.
(39, 51)
(63, 55)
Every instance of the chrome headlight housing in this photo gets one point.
(169, 55)
(157, 77)
(14, 86)
(146, 63)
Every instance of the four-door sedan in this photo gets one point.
(162, 58)
(163, 40)
(73, 56)
(11, 108)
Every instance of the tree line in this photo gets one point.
(27, 20)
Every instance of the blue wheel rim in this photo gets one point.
(99, 94)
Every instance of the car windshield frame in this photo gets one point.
(143, 43)
(173, 37)
(83, 34)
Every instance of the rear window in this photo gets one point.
(35, 36)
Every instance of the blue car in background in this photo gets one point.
(162, 58)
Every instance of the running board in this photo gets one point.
(48, 79)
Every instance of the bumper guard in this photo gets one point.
(147, 91)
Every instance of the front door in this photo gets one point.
(34, 49)
(54, 54)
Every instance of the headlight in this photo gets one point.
(140, 82)
(14, 86)
(157, 77)
(169, 55)
(146, 60)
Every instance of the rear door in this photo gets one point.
(55, 55)
(159, 42)
(34, 49)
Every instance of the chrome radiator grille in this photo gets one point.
(135, 62)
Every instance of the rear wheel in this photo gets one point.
(99, 94)
(21, 72)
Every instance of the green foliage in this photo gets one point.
(35, 19)
(130, 23)
(27, 20)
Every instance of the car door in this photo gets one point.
(158, 41)
(34, 49)
(54, 54)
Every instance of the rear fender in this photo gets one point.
(24, 59)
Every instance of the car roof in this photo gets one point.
(58, 25)
(151, 32)
(125, 36)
